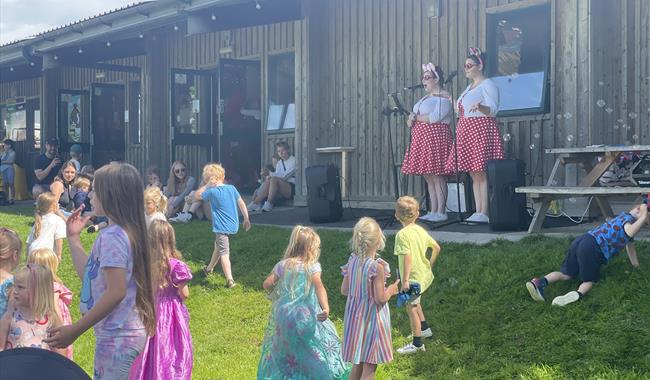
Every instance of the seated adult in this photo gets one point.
(46, 166)
(63, 186)
(280, 184)
(179, 186)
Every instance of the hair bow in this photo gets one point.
(476, 52)
(430, 67)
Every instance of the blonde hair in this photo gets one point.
(153, 193)
(47, 258)
(407, 209)
(10, 244)
(82, 182)
(44, 205)
(114, 186)
(213, 171)
(366, 237)
(41, 291)
(174, 185)
(304, 245)
(163, 247)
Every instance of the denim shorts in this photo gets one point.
(7, 174)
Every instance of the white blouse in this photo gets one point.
(486, 93)
(438, 109)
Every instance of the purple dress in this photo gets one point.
(168, 354)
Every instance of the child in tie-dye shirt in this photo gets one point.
(117, 295)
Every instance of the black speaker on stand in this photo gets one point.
(507, 208)
(324, 193)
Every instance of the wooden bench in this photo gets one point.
(543, 195)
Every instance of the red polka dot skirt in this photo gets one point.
(478, 140)
(430, 148)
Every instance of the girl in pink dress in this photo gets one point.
(168, 354)
(366, 326)
(62, 295)
(33, 311)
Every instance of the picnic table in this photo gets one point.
(542, 196)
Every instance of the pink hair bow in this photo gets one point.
(476, 52)
(430, 67)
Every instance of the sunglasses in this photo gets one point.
(180, 170)
(427, 77)
(470, 65)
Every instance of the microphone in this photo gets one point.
(451, 76)
(414, 87)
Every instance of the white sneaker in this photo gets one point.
(183, 217)
(482, 218)
(473, 218)
(253, 207)
(410, 349)
(428, 217)
(427, 333)
(440, 217)
(175, 218)
(186, 217)
(566, 299)
(267, 207)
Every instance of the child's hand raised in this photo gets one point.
(76, 223)
(323, 315)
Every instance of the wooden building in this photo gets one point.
(224, 80)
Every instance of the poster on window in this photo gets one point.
(71, 116)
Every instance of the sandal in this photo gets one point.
(231, 284)
(206, 272)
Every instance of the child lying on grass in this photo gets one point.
(590, 251)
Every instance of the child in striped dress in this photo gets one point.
(366, 333)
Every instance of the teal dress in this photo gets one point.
(296, 345)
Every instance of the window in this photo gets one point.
(191, 94)
(132, 116)
(519, 44)
(14, 122)
(71, 104)
(282, 105)
(37, 129)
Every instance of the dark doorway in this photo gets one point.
(107, 105)
(21, 122)
(239, 111)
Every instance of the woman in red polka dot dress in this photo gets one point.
(477, 133)
(431, 140)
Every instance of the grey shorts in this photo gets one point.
(222, 244)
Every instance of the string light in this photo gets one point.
(175, 27)
(108, 43)
(80, 50)
(213, 17)
(258, 6)
(140, 35)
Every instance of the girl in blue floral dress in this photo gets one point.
(300, 341)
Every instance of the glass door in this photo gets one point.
(107, 105)
(239, 112)
(191, 118)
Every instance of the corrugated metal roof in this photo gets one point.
(71, 24)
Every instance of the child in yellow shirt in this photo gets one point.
(411, 245)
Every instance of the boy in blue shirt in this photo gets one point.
(224, 200)
(591, 251)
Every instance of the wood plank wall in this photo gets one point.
(201, 51)
(351, 53)
(374, 47)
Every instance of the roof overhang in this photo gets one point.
(132, 22)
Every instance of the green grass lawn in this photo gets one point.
(485, 325)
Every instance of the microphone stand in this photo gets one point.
(396, 111)
(460, 219)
